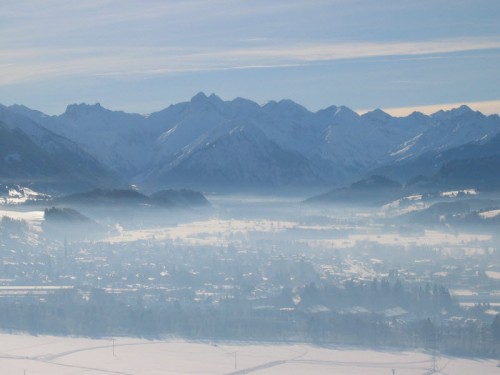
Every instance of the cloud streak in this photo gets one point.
(125, 51)
(24, 64)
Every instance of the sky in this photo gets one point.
(143, 55)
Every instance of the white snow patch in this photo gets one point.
(491, 312)
(489, 214)
(428, 238)
(493, 274)
(406, 146)
(19, 194)
(455, 193)
(395, 312)
(402, 206)
(208, 232)
(462, 292)
(32, 217)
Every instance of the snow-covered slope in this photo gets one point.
(31, 155)
(458, 134)
(243, 157)
(451, 129)
(117, 139)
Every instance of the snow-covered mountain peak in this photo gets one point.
(344, 114)
(344, 109)
(334, 115)
(417, 116)
(461, 111)
(25, 111)
(200, 97)
(331, 110)
(77, 110)
(21, 122)
(243, 107)
(33, 154)
(377, 115)
(288, 103)
(285, 107)
(215, 99)
(206, 103)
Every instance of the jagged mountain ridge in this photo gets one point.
(276, 144)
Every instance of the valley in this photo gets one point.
(249, 187)
(253, 268)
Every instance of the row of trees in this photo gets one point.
(102, 314)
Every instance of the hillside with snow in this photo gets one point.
(209, 143)
(32, 155)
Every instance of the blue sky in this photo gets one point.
(142, 55)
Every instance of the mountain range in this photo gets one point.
(208, 143)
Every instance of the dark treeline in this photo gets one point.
(377, 295)
(319, 315)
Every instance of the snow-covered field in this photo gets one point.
(208, 232)
(32, 217)
(215, 232)
(23, 354)
(489, 214)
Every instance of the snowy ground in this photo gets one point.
(208, 232)
(32, 217)
(23, 354)
(215, 232)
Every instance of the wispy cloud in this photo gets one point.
(21, 64)
(123, 48)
